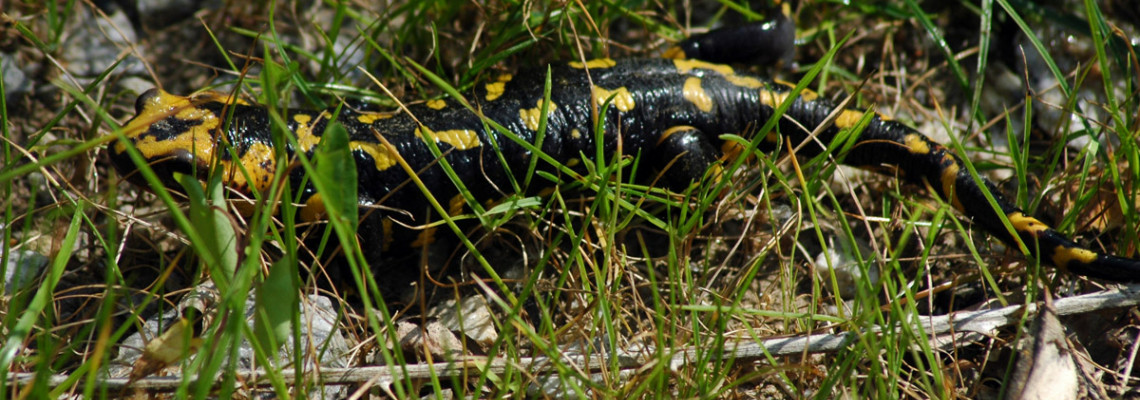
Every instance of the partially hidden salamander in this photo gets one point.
(672, 111)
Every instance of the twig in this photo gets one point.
(971, 321)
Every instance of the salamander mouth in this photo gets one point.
(165, 168)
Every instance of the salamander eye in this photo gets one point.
(144, 98)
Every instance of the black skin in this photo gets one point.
(663, 121)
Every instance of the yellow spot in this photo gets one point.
(573, 162)
(674, 53)
(455, 206)
(771, 98)
(306, 139)
(386, 228)
(731, 149)
(495, 89)
(597, 63)
(916, 144)
(378, 152)
(686, 66)
(575, 133)
(424, 238)
(622, 99)
(744, 81)
(806, 94)
(368, 117)
(772, 137)
(695, 94)
(314, 208)
(669, 132)
(532, 116)
(436, 104)
(1062, 256)
(848, 118)
(949, 178)
(460, 139)
(1026, 224)
(716, 172)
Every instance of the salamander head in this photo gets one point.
(183, 134)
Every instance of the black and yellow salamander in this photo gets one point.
(671, 109)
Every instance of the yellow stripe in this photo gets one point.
(848, 119)
(1026, 224)
(378, 152)
(531, 116)
(314, 208)
(916, 144)
(622, 98)
(772, 98)
(597, 63)
(460, 139)
(455, 206)
(424, 238)
(949, 180)
(1062, 256)
(496, 89)
(686, 66)
(695, 94)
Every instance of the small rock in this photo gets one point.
(95, 45)
(840, 258)
(24, 266)
(471, 317)
(15, 80)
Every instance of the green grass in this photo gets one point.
(613, 262)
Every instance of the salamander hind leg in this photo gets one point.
(684, 155)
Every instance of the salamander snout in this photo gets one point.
(145, 98)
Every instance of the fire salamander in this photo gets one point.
(672, 109)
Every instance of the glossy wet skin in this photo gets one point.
(671, 109)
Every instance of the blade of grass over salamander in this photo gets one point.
(770, 124)
(142, 165)
(209, 219)
(336, 178)
(435, 204)
(448, 169)
(540, 136)
(344, 227)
